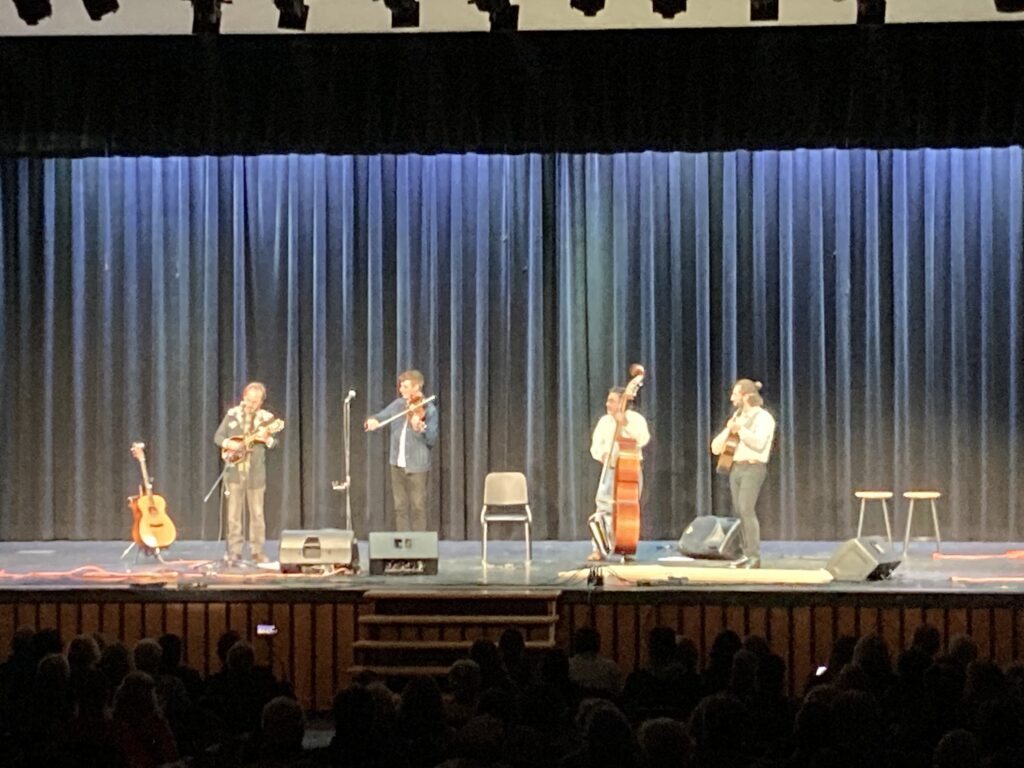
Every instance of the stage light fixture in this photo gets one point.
(871, 11)
(404, 13)
(669, 9)
(292, 14)
(587, 7)
(764, 10)
(206, 17)
(97, 9)
(503, 15)
(33, 11)
(1010, 6)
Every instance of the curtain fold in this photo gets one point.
(877, 294)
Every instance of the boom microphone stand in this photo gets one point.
(346, 485)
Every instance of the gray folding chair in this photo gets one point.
(507, 492)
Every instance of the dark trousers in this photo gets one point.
(745, 481)
(409, 490)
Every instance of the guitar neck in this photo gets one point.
(147, 486)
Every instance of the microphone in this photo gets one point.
(350, 396)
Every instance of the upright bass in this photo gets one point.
(627, 473)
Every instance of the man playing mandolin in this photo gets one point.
(748, 435)
(634, 426)
(413, 423)
(244, 436)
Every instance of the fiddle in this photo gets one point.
(419, 406)
(416, 411)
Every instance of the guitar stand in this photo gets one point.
(154, 552)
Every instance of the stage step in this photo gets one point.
(416, 633)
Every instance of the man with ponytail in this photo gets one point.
(754, 428)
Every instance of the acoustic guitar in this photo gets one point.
(152, 529)
(237, 448)
(728, 453)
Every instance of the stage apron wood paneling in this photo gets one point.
(317, 628)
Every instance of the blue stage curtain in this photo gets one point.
(877, 294)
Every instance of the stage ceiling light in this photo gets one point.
(587, 7)
(97, 9)
(206, 17)
(33, 11)
(405, 14)
(1010, 6)
(764, 10)
(669, 8)
(503, 15)
(292, 14)
(871, 11)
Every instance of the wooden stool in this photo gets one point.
(882, 496)
(930, 497)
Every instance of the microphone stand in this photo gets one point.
(346, 485)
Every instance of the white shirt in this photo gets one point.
(401, 445)
(757, 430)
(634, 428)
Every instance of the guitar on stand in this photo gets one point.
(152, 529)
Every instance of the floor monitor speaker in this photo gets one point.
(714, 538)
(318, 550)
(870, 558)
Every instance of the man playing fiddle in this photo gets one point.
(412, 438)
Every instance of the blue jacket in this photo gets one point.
(417, 445)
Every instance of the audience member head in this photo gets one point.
(511, 644)
(756, 645)
(47, 641)
(554, 668)
(957, 749)
(856, 723)
(985, 681)
(421, 710)
(480, 741)
(927, 640)
(147, 655)
(93, 693)
(743, 674)
(853, 678)
(283, 725)
(842, 654)
(116, 663)
(498, 703)
(135, 700)
(871, 654)
(813, 721)
(771, 677)
(724, 647)
(485, 654)
(963, 649)
(911, 666)
(23, 643)
(83, 653)
(687, 653)
(586, 710)
(718, 723)
(661, 645)
(663, 742)
(224, 643)
(353, 714)
(609, 738)
(241, 659)
(586, 640)
(172, 648)
(53, 673)
(464, 681)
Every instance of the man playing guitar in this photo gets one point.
(244, 436)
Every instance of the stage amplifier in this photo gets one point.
(403, 553)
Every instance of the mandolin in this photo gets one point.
(237, 448)
(152, 529)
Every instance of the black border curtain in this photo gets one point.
(937, 85)
(877, 294)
